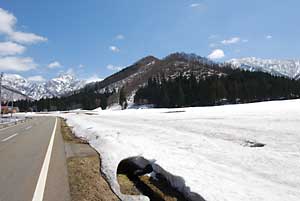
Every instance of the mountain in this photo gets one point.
(137, 74)
(61, 85)
(8, 94)
(178, 79)
(286, 68)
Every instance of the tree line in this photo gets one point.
(235, 87)
(88, 98)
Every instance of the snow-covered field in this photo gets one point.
(208, 147)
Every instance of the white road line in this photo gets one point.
(8, 138)
(3, 129)
(29, 127)
(40, 187)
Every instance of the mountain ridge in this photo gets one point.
(137, 74)
(171, 66)
(55, 87)
(279, 67)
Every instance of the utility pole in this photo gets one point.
(12, 104)
(1, 76)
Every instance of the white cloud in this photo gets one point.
(231, 41)
(194, 5)
(114, 49)
(17, 64)
(81, 66)
(36, 78)
(94, 78)
(237, 51)
(198, 6)
(114, 68)
(54, 64)
(7, 21)
(216, 54)
(10, 48)
(212, 45)
(120, 37)
(269, 37)
(213, 36)
(245, 40)
(7, 27)
(71, 71)
(8, 62)
(26, 38)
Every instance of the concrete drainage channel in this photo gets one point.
(133, 177)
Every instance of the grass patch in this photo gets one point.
(162, 189)
(127, 186)
(86, 183)
(156, 190)
(85, 179)
(68, 136)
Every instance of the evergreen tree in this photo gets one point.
(122, 98)
(165, 100)
(180, 96)
(235, 87)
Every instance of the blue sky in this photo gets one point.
(94, 38)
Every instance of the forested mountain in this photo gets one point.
(177, 80)
(235, 87)
(137, 75)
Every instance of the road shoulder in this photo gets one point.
(83, 164)
(57, 185)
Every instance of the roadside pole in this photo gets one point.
(12, 105)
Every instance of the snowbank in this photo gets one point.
(207, 147)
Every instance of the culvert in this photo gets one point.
(154, 182)
(134, 166)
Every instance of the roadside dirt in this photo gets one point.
(68, 136)
(156, 190)
(85, 179)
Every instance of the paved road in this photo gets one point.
(32, 168)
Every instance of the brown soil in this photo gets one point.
(162, 189)
(127, 186)
(156, 190)
(85, 179)
(86, 183)
(68, 136)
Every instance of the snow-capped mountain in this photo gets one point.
(286, 68)
(61, 85)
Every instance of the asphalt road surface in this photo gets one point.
(32, 162)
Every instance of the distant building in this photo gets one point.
(8, 109)
(4, 109)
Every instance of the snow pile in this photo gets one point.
(209, 147)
